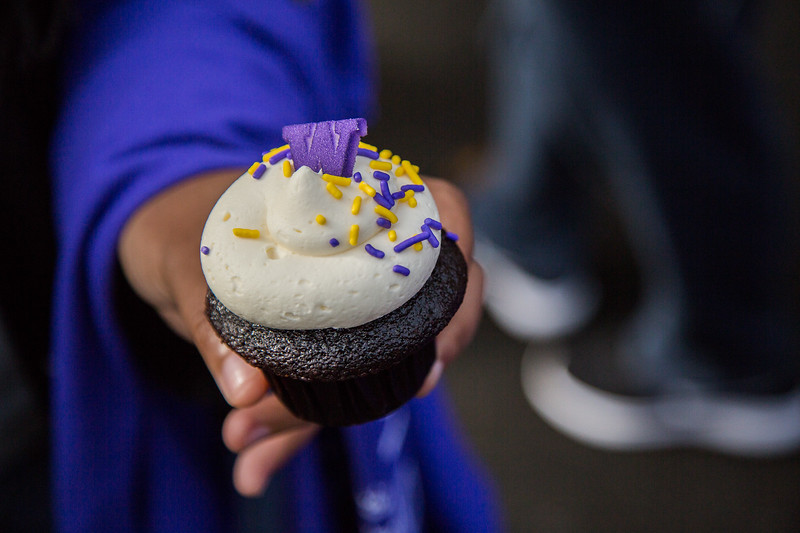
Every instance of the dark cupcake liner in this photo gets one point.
(345, 376)
(355, 400)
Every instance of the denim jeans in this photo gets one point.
(661, 104)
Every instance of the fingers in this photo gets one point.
(159, 254)
(455, 217)
(265, 436)
(460, 331)
(243, 427)
(432, 379)
(256, 465)
(240, 383)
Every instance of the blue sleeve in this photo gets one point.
(159, 90)
(155, 91)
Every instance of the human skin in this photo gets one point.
(163, 268)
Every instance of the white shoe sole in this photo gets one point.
(744, 426)
(533, 309)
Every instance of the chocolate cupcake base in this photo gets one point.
(355, 400)
(351, 375)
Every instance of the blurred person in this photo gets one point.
(158, 104)
(662, 104)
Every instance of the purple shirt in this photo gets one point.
(154, 92)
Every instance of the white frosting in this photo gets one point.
(290, 276)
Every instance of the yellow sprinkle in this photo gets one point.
(366, 189)
(392, 235)
(287, 168)
(400, 171)
(246, 233)
(331, 188)
(412, 202)
(356, 205)
(253, 168)
(354, 235)
(226, 216)
(337, 180)
(380, 165)
(274, 151)
(385, 154)
(320, 220)
(396, 159)
(385, 213)
(368, 146)
(418, 246)
(412, 172)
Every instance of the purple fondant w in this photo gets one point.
(330, 146)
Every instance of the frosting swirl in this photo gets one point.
(301, 249)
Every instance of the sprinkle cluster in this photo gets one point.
(385, 166)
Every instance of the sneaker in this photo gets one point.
(748, 425)
(530, 308)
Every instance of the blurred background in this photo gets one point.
(433, 106)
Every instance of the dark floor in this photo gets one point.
(432, 110)
(549, 483)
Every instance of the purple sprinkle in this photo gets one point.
(435, 224)
(280, 155)
(400, 269)
(387, 194)
(259, 171)
(450, 235)
(379, 175)
(429, 235)
(415, 188)
(384, 222)
(205, 250)
(334, 242)
(398, 195)
(411, 241)
(357, 177)
(374, 252)
(368, 153)
(380, 200)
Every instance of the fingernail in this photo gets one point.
(436, 371)
(445, 351)
(431, 379)
(234, 374)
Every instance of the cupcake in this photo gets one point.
(329, 270)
